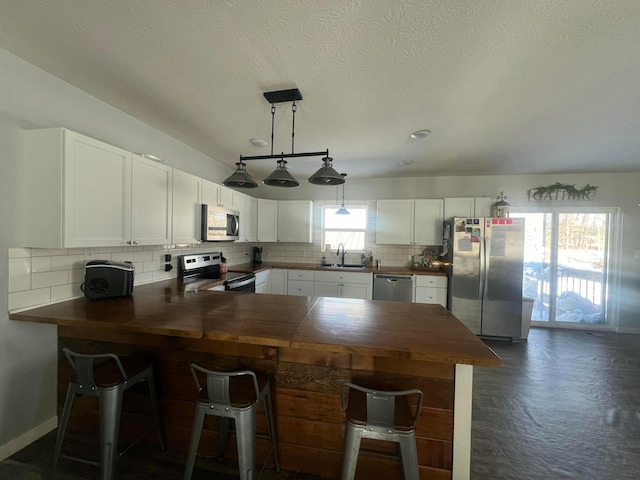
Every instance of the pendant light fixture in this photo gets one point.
(240, 178)
(281, 176)
(342, 210)
(326, 175)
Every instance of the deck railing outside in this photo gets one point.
(579, 293)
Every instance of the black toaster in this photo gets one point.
(106, 279)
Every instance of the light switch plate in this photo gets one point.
(636, 254)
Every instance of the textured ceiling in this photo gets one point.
(506, 86)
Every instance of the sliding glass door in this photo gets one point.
(567, 265)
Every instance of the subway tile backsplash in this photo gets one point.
(38, 276)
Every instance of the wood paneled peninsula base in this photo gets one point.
(310, 345)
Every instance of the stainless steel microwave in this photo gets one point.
(219, 224)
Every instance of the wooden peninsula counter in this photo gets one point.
(310, 345)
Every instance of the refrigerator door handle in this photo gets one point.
(487, 249)
(483, 273)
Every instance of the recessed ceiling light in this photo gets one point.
(404, 163)
(420, 134)
(257, 142)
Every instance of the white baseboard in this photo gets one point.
(27, 438)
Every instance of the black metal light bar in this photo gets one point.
(286, 155)
(283, 96)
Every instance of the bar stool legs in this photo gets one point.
(239, 403)
(108, 381)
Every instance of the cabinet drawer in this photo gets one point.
(300, 287)
(431, 295)
(300, 275)
(343, 277)
(431, 281)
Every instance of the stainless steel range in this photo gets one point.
(206, 266)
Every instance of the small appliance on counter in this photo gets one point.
(107, 279)
(256, 255)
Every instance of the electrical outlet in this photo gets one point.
(636, 254)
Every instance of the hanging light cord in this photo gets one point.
(294, 107)
(273, 117)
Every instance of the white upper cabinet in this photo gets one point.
(295, 221)
(428, 222)
(395, 222)
(151, 202)
(267, 214)
(187, 204)
(214, 194)
(77, 191)
(409, 222)
(467, 207)
(249, 220)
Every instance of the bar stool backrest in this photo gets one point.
(381, 405)
(83, 366)
(217, 383)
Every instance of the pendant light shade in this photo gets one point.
(342, 210)
(240, 178)
(281, 177)
(326, 175)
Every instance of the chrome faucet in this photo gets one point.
(343, 254)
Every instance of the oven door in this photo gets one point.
(244, 285)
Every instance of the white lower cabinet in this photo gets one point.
(263, 284)
(343, 285)
(431, 289)
(278, 279)
(300, 282)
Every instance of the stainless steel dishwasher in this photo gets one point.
(396, 288)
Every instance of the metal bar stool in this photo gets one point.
(379, 416)
(107, 380)
(232, 395)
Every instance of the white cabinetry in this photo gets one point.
(249, 220)
(395, 222)
(343, 284)
(295, 221)
(278, 281)
(467, 207)
(267, 220)
(263, 284)
(214, 194)
(409, 222)
(431, 289)
(151, 202)
(428, 222)
(300, 282)
(77, 191)
(187, 195)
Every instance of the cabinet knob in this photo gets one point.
(135, 242)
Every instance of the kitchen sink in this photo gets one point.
(347, 266)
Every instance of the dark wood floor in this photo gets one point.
(565, 405)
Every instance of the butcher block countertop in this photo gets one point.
(388, 329)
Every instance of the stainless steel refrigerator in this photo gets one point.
(483, 258)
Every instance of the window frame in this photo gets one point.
(363, 230)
